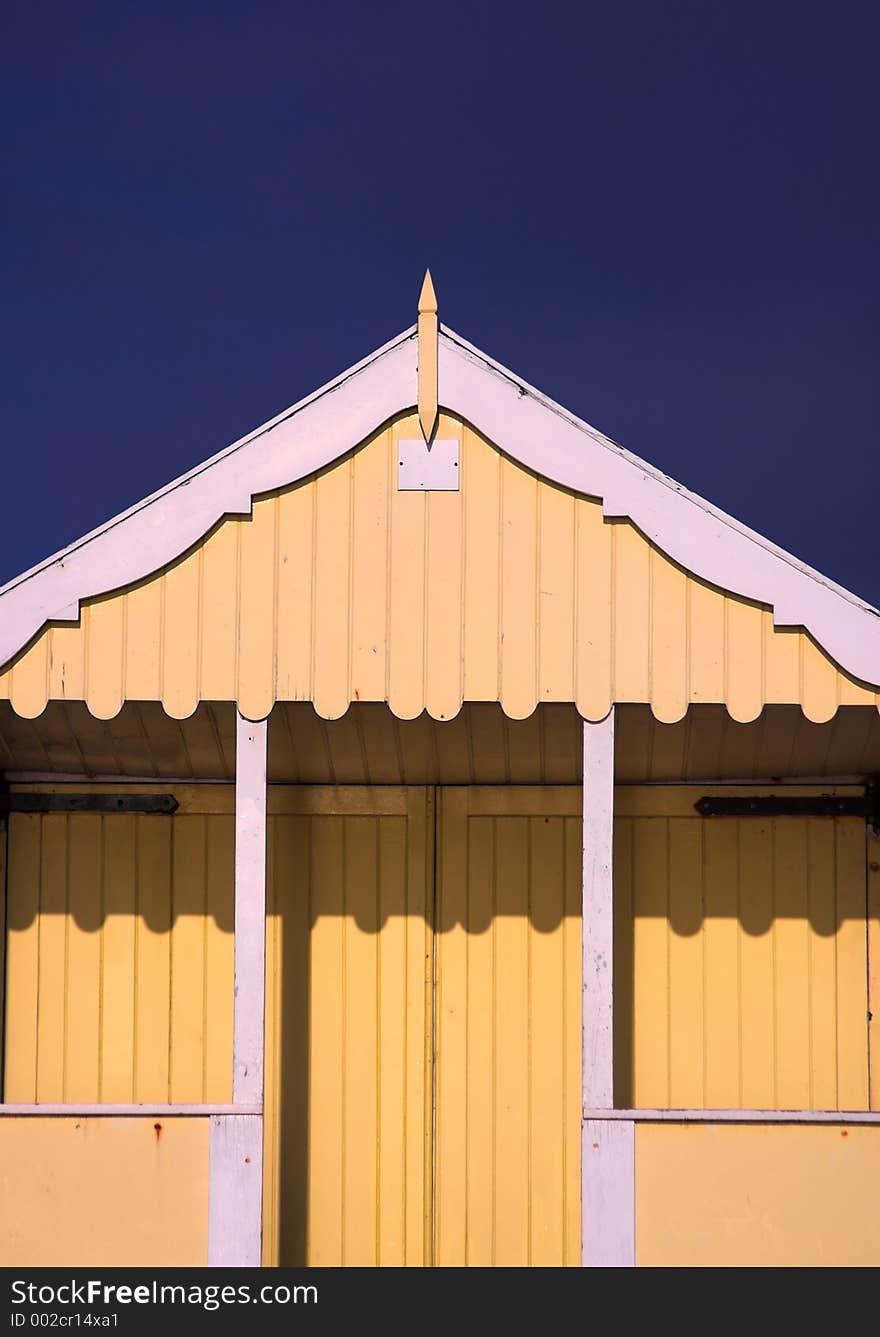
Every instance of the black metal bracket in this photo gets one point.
(103, 803)
(866, 806)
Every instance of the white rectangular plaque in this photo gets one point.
(434, 468)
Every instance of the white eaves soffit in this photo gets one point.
(529, 428)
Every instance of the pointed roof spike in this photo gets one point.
(427, 297)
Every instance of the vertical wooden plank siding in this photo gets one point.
(348, 1029)
(120, 955)
(508, 1027)
(749, 957)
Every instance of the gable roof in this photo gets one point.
(525, 425)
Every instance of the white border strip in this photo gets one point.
(235, 1201)
(598, 914)
(126, 1111)
(608, 1170)
(733, 1116)
(250, 911)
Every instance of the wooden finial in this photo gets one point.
(427, 383)
(428, 297)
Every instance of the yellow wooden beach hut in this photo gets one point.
(433, 836)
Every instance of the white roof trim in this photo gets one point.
(521, 422)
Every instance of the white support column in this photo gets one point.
(598, 924)
(608, 1179)
(607, 1152)
(236, 1156)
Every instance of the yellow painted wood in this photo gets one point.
(103, 1192)
(507, 1044)
(348, 1032)
(371, 485)
(120, 957)
(556, 553)
(218, 608)
(341, 588)
(746, 941)
(443, 579)
(593, 648)
(750, 1196)
(181, 638)
(22, 958)
(481, 598)
(427, 360)
(518, 649)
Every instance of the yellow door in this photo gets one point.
(745, 941)
(348, 1027)
(508, 1027)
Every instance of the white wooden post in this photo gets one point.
(236, 1143)
(607, 1149)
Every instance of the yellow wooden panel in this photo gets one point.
(117, 981)
(103, 1192)
(22, 957)
(105, 657)
(181, 639)
(332, 599)
(547, 1054)
(219, 612)
(631, 599)
(481, 500)
(705, 643)
(689, 966)
(743, 659)
(669, 636)
(594, 642)
(757, 965)
(120, 958)
(508, 1035)
(747, 938)
(348, 946)
(342, 588)
(369, 570)
(28, 680)
(715, 893)
(650, 956)
(51, 961)
(152, 963)
(406, 599)
(66, 650)
(518, 651)
(750, 1196)
(296, 527)
(556, 594)
(443, 622)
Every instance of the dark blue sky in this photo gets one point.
(664, 215)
